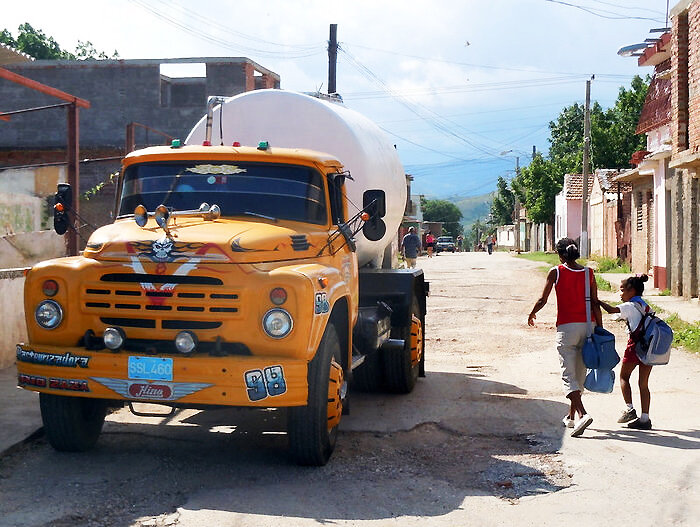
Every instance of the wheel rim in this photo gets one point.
(336, 382)
(416, 340)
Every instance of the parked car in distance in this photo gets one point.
(445, 243)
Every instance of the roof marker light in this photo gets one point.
(236, 143)
(263, 145)
(176, 143)
(206, 143)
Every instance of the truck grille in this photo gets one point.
(119, 299)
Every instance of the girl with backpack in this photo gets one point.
(568, 280)
(631, 310)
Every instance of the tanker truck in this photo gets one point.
(249, 266)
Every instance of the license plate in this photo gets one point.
(151, 368)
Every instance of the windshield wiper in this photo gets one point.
(258, 215)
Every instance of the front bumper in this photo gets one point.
(196, 380)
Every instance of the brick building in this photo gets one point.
(685, 143)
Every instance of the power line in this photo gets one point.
(611, 15)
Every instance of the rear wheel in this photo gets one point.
(313, 428)
(402, 367)
(72, 424)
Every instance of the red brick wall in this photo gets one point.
(679, 89)
(694, 76)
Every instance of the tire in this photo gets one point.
(72, 424)
(312, 429)
(368, 376)
(400, 370)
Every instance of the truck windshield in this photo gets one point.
(287, 192)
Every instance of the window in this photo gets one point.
(640, 212)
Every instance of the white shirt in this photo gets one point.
(631, 313)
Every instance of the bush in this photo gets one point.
(606, 264)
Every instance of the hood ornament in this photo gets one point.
(162, 215)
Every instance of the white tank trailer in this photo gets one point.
(294, 120)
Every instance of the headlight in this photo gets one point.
(114, 338)
(185, 342)
(277, 323)
(48, 314)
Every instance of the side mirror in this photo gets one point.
(63, 201)
(374, 203)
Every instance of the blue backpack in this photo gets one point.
(653, 338)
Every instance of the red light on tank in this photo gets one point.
(206, 143)
(236, 143)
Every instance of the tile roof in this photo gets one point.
(9, 55)
(573, 183)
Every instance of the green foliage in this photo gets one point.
(112, 179)
(665, 292)
(603, 284)
(613, 132)
(606, 264)
(684, 333)
(444, 211)
(537, 185)
(503, 204)
(537, 256)
(35, 43)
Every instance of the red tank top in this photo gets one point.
(571, 294)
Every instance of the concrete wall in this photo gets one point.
(119, 91)
(642, 234)
(27, 248)
(12, 325)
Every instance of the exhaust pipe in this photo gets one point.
(212, 101)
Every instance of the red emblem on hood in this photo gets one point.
(150, 391)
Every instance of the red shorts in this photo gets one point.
(630, 356)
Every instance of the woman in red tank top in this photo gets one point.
(568, 279)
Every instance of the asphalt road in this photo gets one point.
(478, 442)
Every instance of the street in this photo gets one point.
(478, 442)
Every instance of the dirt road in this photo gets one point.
(478, 442)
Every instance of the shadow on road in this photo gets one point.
(421, 454)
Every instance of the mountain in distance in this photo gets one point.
(473, 207)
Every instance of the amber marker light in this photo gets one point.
(278, 296)
(59, 207)
(323, 282)
(365, 216)
(49, 287)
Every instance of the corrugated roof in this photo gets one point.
(657, 106)
(9, 55)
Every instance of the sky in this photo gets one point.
(462, 87)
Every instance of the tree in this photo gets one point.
(445, 212)
(503, 203)
(35, 43)
(537, 185)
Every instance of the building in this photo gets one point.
(685, 153)
(608, 214)
(120, 92)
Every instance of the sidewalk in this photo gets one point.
(19, 411)
(687, 310)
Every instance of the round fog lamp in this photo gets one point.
(185, 342)
(277, 323)
(48, 314)
(113, 338)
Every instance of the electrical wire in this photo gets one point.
(207, 36)
(602, 13)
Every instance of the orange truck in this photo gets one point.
(249, 276)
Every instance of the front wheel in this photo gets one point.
(72, 424)
(312, 429)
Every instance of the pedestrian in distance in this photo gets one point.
(410, 247)
(430, 244)
(631, 310)
(460, 243)
(568, 280)
(489, 243)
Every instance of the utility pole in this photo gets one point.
(586, 160)
(332, 57)
(516, 212)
